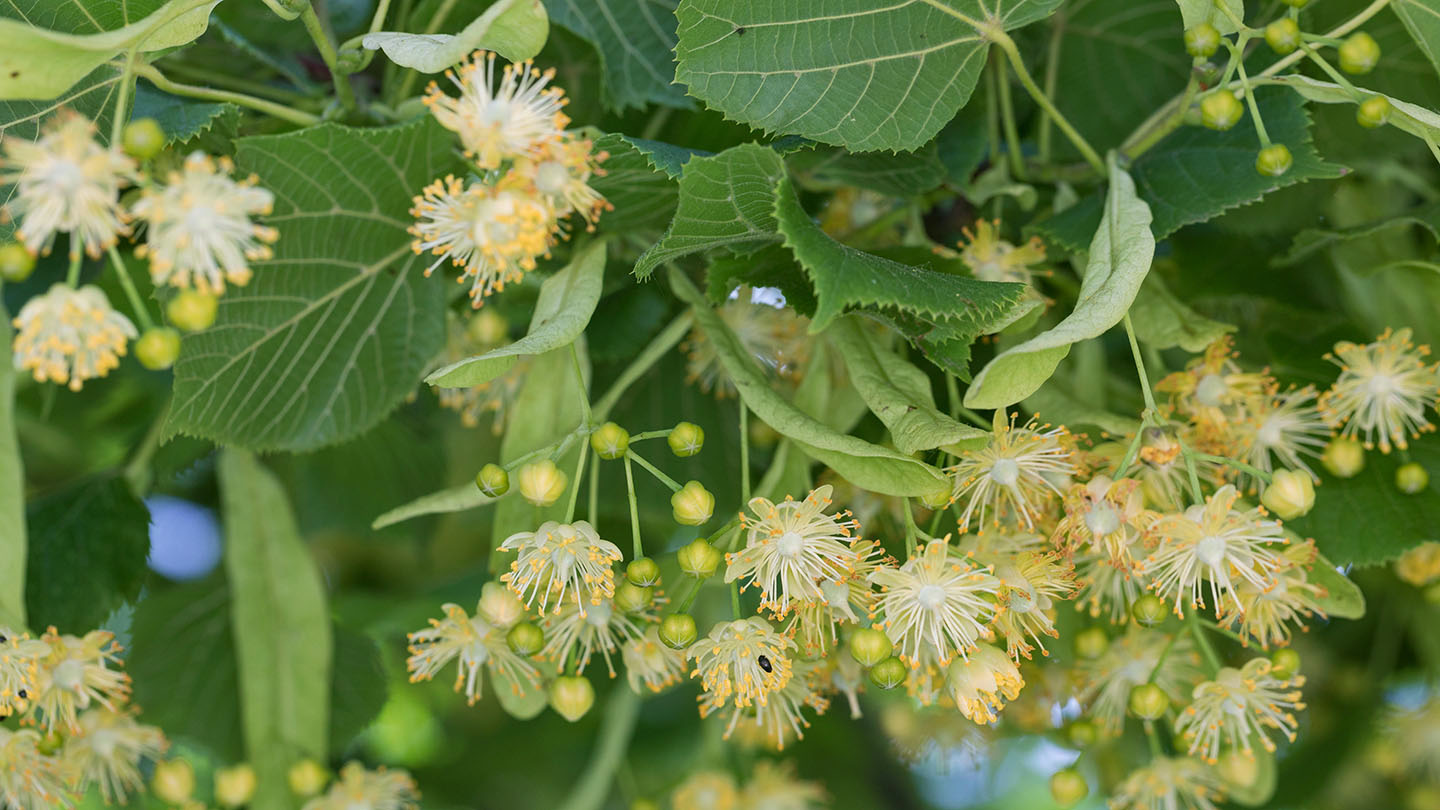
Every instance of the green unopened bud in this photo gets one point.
(1068, 787)
(541, 482)
(630, 597)
(307, 778)
(488, 327)
(1148, 610)
(1239, 769)
(1283, 35)
(643, 571)
(938, 499)
(16, 263)
(1411, 478)
(234, 786)
(1284, 663)
(610, 441)
(889, 673)
(677, 631)
(51, 744)
(1082, 733)
(571, 696)
(1092, 642)
(1221, 110)
(492, 480)
(174, 781)
(1202, 40)
(1148, 701)
(1359, 53)
(142, 138)
(686, 439)
(1274, 160)
(1343, 457)
(870, 646)
(192, 310)
(1373, 112)
(158, 348)
(692, 504)
(499, 605)
(699, 558)
(1290, 494)
(525, 638)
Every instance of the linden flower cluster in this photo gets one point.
(529, 175)
(77, 729)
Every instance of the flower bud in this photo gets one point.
(1148, 701)
(1202, 40)
(541, 482)
(1220, 110)
(488, 327)
(525, 638)
(492, 480)
(1283, 35)
(174, 781)
(610, 441)
(1149, 610)
(1359, 53)
(1411, 478)
(1291, 494)
(686, 439)
(234, 786)
(307, 778)
(889, 673)
(677, 630)
(142, 138)
(1343, 457)
(1284, 663)
(643, 571)
(1082, 733)
(1068, 787)
(870, 646)
(571, 696)
(699, 558)
(499, 605)
(1274, 160)
(630, 597)
(1373, 112)
(158, 348)
(16, 263)
(692, 504)
(1238, 768)
(1091, 642)
(192, 310)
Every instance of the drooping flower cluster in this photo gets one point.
(531, 174)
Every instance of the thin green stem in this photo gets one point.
(1192, 620)
(911, 530)
(1236, 463)
(1052, 78)
(575, 484)
(616, 728)
(442, 13)
(382, 10)
(659, 476)
(284, 113)
(593, 510)
(580, 380)
(326, 46)
(1189, 455)
(279, 94)
(128, 285)
(1239, 58)
(1005, 43)
(744, 452)
(658, 348)
(1230, 634)
(639, 549)
(1234, 18)
(974, 418)
(1153, 739)
(1150, 407)
(137, 469)
(651, 434)
(952, 396)
(1007, 121)
(1164, 653)
(1155, 130)
(1131, 452)
(72, 276)
(127, 81)
(684, 605)
(735, 599)
(992, 116)
(935, 522)
(1331, 71)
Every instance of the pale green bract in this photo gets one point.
(515, 29)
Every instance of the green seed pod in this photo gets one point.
(677, 631)
(1290, 494)
(1068, 787)
(889, 673)
(142, 138)
(1373, 112)
(1082, 733)
(1284, 662)
(493, 480)
(1343, 457)
(1359, 53)
(692, 505)
(1411, 478)
(699, 558)
(1221, 110)
(525, 638)
(192, 310)
(1148, 701)
(1202, 40)
(686, 439)
(610, 441)
(1283, 35)
(16, 263)
(571, 696)
(644, 572)
(1092, 642)
(870, 646)
(1274, 160)
(158, 348)
(630, 597)
(1149, 610)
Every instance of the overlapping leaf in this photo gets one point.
(515, 29)
(634, 39)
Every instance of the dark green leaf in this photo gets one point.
(903, 175)
(1422, 20)
(1313, 240)
(643, 194)
(358, 686)
(180, 118)
(1164, 321)
(634, 39)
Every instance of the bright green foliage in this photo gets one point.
(1365, 520)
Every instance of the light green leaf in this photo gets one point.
(845, 278)
(454, 499)
(1262, 789)
(852, 73)
(1120, 256)
(1422, 20)
(1196, 12)
(1058, 406)
(866, 465)
(334, 331)
(567, 300)
(12, 493)
(1412, 118)
(282, 630)
(1343, 598)
(725, 201)
(1164, 321)
(635, 40)
(1313, 240)
(50, 46)
(898, 393)
(515, 29)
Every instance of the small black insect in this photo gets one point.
(764, 663)
(3, 639)
(740, 31)
(22, 694)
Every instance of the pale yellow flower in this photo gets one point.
(361, 789)
(504, 122)
(1383, 392)
(69, 336)
(473, 642)
(792, 548)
